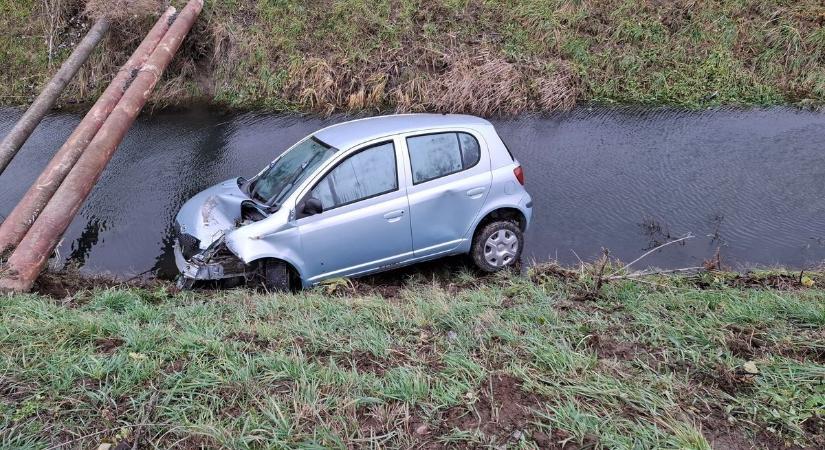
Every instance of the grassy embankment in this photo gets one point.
(478, 56)
(668, 362)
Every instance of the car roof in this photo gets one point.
(348, 134)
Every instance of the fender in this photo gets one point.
(275, 238)
(521, 206)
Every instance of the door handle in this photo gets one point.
(394, 216)
(475, 192)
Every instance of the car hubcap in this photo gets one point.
(501, 248)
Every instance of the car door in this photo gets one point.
(449, 183)
(365, 223)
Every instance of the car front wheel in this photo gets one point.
(497, 246)
(276, 276)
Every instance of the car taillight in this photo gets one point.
(519, 173)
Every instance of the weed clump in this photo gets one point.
(122, 12)
(487, 58)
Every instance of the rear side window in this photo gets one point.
(366, 174)
(436, 155)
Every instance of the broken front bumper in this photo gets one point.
(196, 270)
(200, 267)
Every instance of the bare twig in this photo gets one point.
(653, 272)
(681, 239)
(50, 8)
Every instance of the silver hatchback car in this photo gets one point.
(358, 198)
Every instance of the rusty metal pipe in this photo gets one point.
(25, 213)
(32, 254)
(43, 103)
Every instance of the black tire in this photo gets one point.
(276, 276)
(479, 249)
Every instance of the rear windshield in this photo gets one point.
(507, 147)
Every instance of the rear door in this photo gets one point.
(365, 224)
(449, 180)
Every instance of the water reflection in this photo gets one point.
(85, 242)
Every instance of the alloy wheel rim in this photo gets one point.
(501, 248)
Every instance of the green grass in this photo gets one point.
(510, 360)
(410, 54)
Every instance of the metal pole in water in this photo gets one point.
(25, 126)
(25, 213)
(32, 254)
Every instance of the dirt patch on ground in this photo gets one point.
(751, 280)
(442, 273)
(815, 426)
(782, 282)
(502, 412)
(814, 353)
(730, 381)
(745, 342)
(608, 347)
(542, 273)
(365, 362)
(13, 391)
(721, 433)
(108, 345)
(750, 342)
(69, 283)
(89, 383)
(174, 367)
(251, 338)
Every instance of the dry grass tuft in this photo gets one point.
(558, 90)
(484, 85)
(425, 80)
(326, 86)
(123, 11)
(313, 84)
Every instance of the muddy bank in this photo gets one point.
(454, 275)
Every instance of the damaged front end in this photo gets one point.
(205, 221)
(215, 263)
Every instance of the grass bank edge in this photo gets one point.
(661, 362)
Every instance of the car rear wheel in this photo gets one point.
(497, 246)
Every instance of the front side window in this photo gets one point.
(436, 155)
(287, 172)
(366, 174)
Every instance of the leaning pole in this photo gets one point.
(31, 118)
(25, 213)
(32, 254)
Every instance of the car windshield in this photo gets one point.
(278, 181)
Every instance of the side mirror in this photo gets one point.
(312, 206)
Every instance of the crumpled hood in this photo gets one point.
(212, 212)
